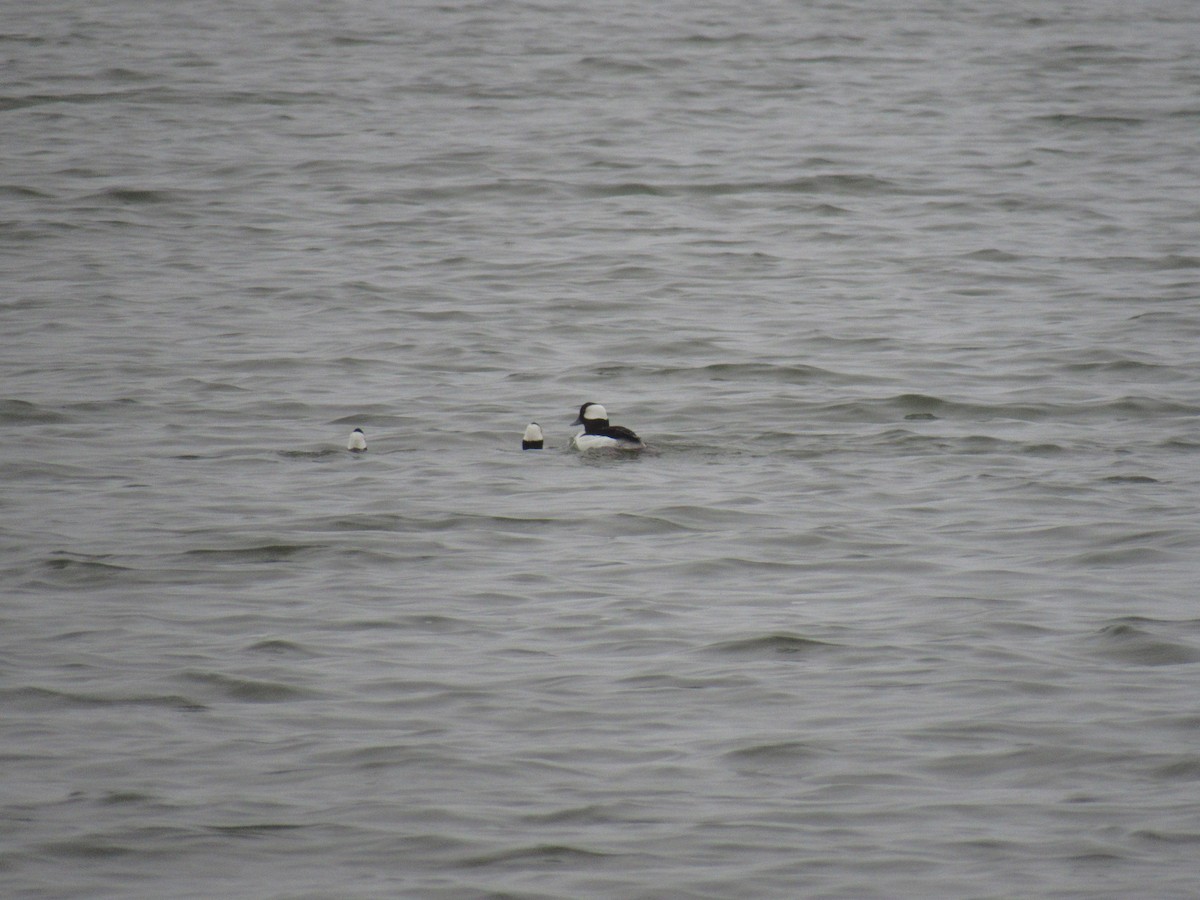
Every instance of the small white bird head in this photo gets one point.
(533, 438)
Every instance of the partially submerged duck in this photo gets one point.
(533, 439)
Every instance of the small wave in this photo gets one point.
(538, 855)
(671, 683)
(1159, 836)
(1132, 640)
(1074, 120)
(22, 191)
(135, 196)
(700, 518)
(47, 699)
(968, 445)
(1123, 556)
(776, 758)
(381, 756)
(254, 829)
(785, 374)
(782, 643)
(733, 37)
(204, 386)
(8, 104)
(120, 798)
(1184, 769)
(113, 405)
(265, 553)
(21, 412)
(279, 647)
(626, 189)
(87, 849)
(1043, 449)
(364, 522)
(357, 40)
(899, 406)
(1119, 365)
(325, 453)
(119, 73)
(841, 184)
(622, 66)
(1189, 446)
(249, 690)
(83, 571)
(62, 562)
(635, 524)
(1169, 263)
(1047, 757)
(905, 405)
(1146, 406)
(845, 183)
(993, 255)
(595, 814)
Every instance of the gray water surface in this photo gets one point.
(901, 601)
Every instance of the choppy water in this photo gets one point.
(901, 603)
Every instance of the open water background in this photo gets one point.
(902, 603)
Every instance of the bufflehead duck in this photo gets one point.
(597, 434)
(357, 442)
(533, 438)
